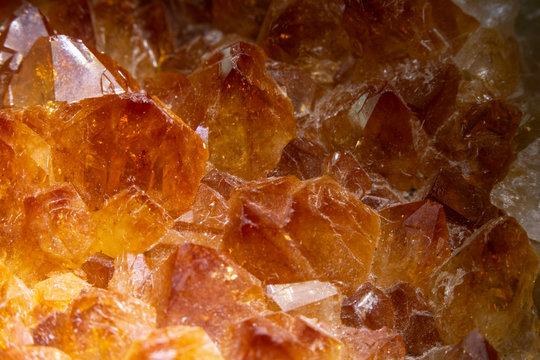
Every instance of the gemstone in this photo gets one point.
(269, 179)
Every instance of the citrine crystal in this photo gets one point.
(269, 179)
(270, 215)
(238, 77)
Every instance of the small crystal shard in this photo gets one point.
(145, 276)
(23, 31)
(99, 269)
(293, 296)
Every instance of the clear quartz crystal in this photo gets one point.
(493, 13)
(293, 296)
(519, 193)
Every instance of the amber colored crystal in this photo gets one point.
(377, 126)
(59, 291)
(237, 75)
(97, 323)
(340, 227)
(172, 88)
(292, 179)
(56, 233)
(269, 216)
(413, 243)
(347, 171)
(204, 223)
(128, 140)
(15, 310)
(461, 198)
(495, 267)
(302, 158)
(177, 342)
(431, 94)
(145, 276)
(221, 181)
(299, 86)
(130, 221)
(392, 139)
(210, 208)
(211, 291)
(280, 336)
(34, 353)
(61, 224)
(366, 344)
(401, 307)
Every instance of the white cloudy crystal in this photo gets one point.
(295, 295)
(519, 193)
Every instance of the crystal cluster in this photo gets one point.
(269, 179)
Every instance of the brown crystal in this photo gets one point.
(99, 269)
(280, 336)
(413, 243)
(368, 307)
(386, 30)
(306, 33)
(485, 298)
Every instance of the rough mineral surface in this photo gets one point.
(269, 179)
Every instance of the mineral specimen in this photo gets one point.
(269, 179)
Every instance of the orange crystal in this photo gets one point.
(293, 179)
